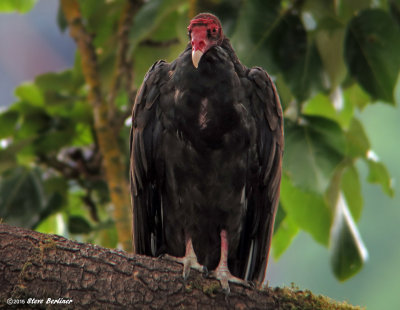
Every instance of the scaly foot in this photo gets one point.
(223, 275)
(189, 261)
(222, 272)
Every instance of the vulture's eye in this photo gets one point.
(214, 30)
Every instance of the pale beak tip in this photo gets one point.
(196, 55)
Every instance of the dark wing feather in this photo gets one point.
(262, 188)
(145, 139)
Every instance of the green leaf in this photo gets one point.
(21, 196)
(285, 94)
(53, 224)
(395, 10)
(348, 9)
(60, 82)
(68, 108)
(150, 17)
(62, 96)
(49, 133)
(78, 225)
(279, 217)
(33, 120)
(169, 28)
(378, 174)
(101, 18)
(351, 188)
(313, 150)
(348, 252)
(284, 236)
(54, 203)
(251, 36)
(322, 105)
(330, 47)
(275, 38)
(307, 209)
(8, 159)
(61, 21)
(9, 155)
(53, 140)
(321, 10)
(226, 10)
(356, 97)
(75, 198)
(8, 120)
(297, 57)
(397, 91)
(20, 6)
(372, 49)
(83, 135)
(150, 47)
(29, 92)
(145, 56)
(102, 191)
(357, 140)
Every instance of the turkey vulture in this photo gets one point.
(206, 152)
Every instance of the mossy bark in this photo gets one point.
(40, 266)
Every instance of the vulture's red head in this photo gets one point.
(205, 31)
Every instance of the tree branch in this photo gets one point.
(166, 43)
(112, 157)
(123, 65)
(192, 8)
(37, 266)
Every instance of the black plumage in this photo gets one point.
(206, 151)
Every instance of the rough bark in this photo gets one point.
(36, 267)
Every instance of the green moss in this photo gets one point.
(46, 243)
(293, 298)
(25, 273)
(211, 289)
(191, 285)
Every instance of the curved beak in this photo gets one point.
(196, 55)
(200, 44)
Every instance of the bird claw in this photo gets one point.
(188, 262)
(251, 284)
(205, 272)
(224, 277)
(162, 256)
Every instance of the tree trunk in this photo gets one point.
(46, 271)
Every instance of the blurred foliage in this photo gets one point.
(20, 6)
(329, 59)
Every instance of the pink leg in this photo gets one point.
(222, 272)
(188, 261)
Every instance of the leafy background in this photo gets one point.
(336, 66)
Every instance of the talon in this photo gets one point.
(224, 277)
(222, 272)
(189, 261)
(161, 256)
(171, 258)
(205, 272)
(223, 280)
(251, 284)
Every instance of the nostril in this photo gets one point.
(202, 44)
(199, 45)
